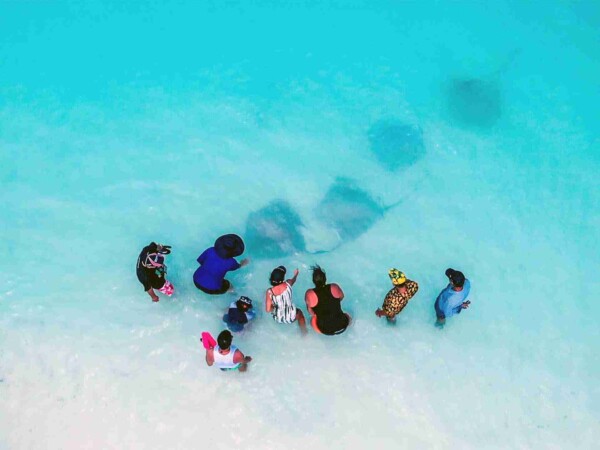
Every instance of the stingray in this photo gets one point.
(274, 231)
(349, 210)
(477, 101)
(396, 144)
(474, 101)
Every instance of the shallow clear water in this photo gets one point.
(126, 123)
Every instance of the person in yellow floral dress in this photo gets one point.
(398, 297)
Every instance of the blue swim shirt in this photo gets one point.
(212, 270)
(449, 301)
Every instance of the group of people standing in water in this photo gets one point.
(323, 301)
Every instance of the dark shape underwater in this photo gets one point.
(349, 210)
(274, 231)
(396, 144)
(474, 102)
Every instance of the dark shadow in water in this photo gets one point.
(274, 231)
(348, 209)
(474, 102)
(396, 144)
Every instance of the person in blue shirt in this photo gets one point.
(239, 314)
(453, 298)
(216, 261)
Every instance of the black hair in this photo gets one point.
(319, 277)
(458, 279)
(277, 276)
(224, 339)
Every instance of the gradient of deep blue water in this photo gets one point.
(125, 122)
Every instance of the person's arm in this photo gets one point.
(457, 305)
(268, 301)
(311, 300)
(336, 291)
(439, 307)
(292, 280)
(210, 357)
(466, 291)
(386, 307)
(239, 358)
(236, 265)
(412, 287)
(233, 264)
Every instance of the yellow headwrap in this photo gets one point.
(397, 277)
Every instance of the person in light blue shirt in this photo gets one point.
(453, 298)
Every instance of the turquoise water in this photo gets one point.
(122, 123)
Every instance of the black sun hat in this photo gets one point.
(229, 246)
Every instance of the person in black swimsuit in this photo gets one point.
(151, 270)
(324, 304)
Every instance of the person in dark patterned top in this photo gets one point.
(398, 297)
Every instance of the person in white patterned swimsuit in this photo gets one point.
(278, 299)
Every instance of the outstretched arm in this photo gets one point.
(292, 280)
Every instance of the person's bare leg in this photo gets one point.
(301, 322)
(152, 295)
